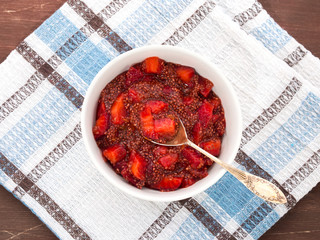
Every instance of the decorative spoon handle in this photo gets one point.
(259, 186)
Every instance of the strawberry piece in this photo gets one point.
(118, 111)
(185, 73)
(153, 65)
(157, 106)
(213, 146)
(125, 172)
(205, 86)
(133, 75)
(215, 102)
(187, 100)
(168, 183)
(194, 158)
(101, 108)
(186, 182)
(101, 126)
(205, 113)
(197, 132)
(138, 165)
(133, 95)
(147, 122)
(165, 127)
(160, 150)
(115, 153)
(169, 160)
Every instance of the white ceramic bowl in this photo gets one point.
(222, 88)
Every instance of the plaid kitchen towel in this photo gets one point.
(44, 80)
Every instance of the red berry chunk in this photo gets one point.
(213, 146)
(186, 182)
(126, 173)
(160, 151)
(194, 158)
(115, 153)
(138, 167)
(157, 106)
(153, 65)
(133, 95)
(147, 122)
(118, 111)
(205, 113)
(205, 86)
(165, 127)
(188, 100)
(168, 160)
(133, 75)
(169, 183)
(185, 73)
(197, 133)
(101, 125)
(101, 108)
(215, 102)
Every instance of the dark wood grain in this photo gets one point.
(301, 18)
(19, 18)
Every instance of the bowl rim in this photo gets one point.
(148, 194)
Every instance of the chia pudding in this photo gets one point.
(146, 101)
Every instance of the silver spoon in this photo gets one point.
(259, 186)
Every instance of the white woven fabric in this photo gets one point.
(43, 161)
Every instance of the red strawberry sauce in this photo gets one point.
(146, 101)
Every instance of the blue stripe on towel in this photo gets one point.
(56, 30)
(145, 22)
(87, 60)
(192, 229)
(232, 196)
(215, 210)
(265, 221)
(272, 36)
(291, 138)
(36, 127)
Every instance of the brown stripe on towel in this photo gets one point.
(303, 172)
(112, 8)
(20, 95)
(54, 61)
(50, 160)
(296, 56)
(162, 221)
(48, 73)
(191, 23)
(252, 221)
(252, 167)
(248, 14)
(202, 215)
(272, 111)
(97, 24)
(52, 208)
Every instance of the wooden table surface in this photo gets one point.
(301, 18)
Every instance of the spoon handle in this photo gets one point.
(259, 186)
